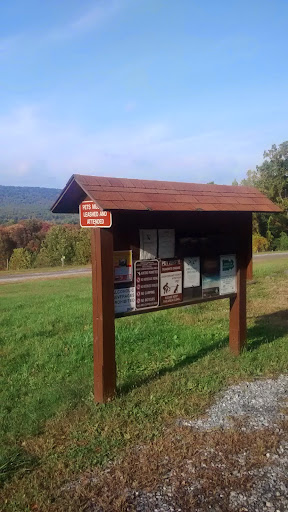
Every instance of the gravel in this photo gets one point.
(258, 401)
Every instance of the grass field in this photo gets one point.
(170, 365)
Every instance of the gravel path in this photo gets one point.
(261, 403)
(257, 401)
(232, 459)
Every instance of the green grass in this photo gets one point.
(170, 364)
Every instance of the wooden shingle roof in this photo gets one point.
(134, 194)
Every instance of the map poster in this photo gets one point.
(228, 274)
(147, 283)
(171, 282)
(191, 272)
(123, 270)
(124, 299)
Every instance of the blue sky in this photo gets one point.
(183, 90)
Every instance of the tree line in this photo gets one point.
(270, 232)
(36, 243)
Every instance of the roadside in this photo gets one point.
(53, 272)
(59, 272)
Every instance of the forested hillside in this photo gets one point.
(17, 203)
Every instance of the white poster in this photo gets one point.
(171, 287)
(148, 244)
(228, 274)
(191, 271)
(166, 238)
(124, 299)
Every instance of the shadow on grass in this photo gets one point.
(267, 329)
(189, 359)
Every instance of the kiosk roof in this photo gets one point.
(151, 195)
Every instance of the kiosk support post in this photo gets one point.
(238, 328)
(250, 255)
(103, 314)
(238, 304)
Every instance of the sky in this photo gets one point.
(179, 90)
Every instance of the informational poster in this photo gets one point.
(124, 299)
(148, 244)
(123, 270)
(171, 282)
(228, 274)
(191, 272)
(210, 277)
(166, 243)
(147, 283)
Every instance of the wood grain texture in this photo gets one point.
(103, 314)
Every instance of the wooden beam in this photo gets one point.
(250, 252)
(103, 314)
(238, 306)
(238, 327)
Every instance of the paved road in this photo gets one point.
(86, 271)
(271, 255)
(44, 275)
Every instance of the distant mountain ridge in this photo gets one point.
(17, 203)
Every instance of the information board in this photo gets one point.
(147, 283)
(171, 281)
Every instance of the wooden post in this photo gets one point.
(238, 308)
(103, 314)
(250, 253)
(238, 327)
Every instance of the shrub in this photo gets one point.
(42, 259)
(20, 259)
(60, 241)
(260, 243)
(282, 242)
(83, 247)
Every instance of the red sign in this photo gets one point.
(147, 283)
(93, 217)
(171, 281)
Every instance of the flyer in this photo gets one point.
(171, 282)
(228, 274)
(210, 277)
(147, 283)
(191, 272)
(124, 299)
(123, 270)
(148, 244)
(166, 243)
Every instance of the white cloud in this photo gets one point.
(37, 151)
(89, 20)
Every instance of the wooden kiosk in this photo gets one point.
(158, 245)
